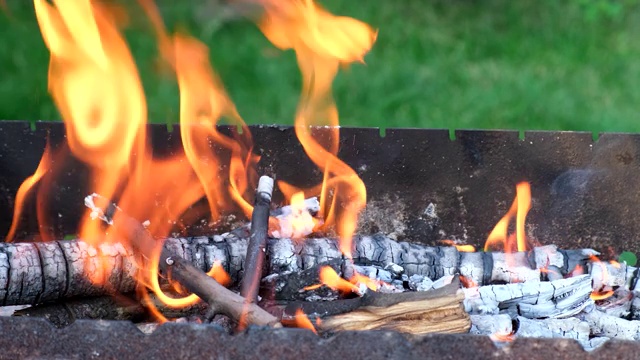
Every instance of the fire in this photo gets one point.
(459, 247)
(322, 42)
(499, 238)
(605, 292)
(331, 279)
(95, 84)
(501, 337)
(24, 190)
(302, 321)
(297, 223)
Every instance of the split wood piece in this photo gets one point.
(558, 298)
(65, 312)
(609, 326)
(254, 262)
(33, 273)
(220, 299)
(436, 311)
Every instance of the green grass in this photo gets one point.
(526, 64)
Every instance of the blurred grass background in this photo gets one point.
(501, 64)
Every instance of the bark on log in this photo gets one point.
(33, 273)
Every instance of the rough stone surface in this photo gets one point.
(36, 338)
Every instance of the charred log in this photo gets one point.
(558, 298)
(32, 273)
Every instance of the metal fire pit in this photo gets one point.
(584, 194)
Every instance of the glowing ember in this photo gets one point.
(499, 337)
(499, 238)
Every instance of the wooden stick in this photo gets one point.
(254, 262)
(220, 299)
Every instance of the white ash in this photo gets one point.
(610, 275)
(9, 310)
(443, 281)
(594, 343)
(512, 268)
(395, 269)
(374, 272)
(570, 328)
(605, 325)
(147, 328)
(491, 324)
(618, 305)
(420, 283)
(532, 299)
(296, 221)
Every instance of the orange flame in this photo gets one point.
(302, 321)
(322, 42)
(461, 248)
(498, 237)
(330, 278)
(25, 189)
(601, 294)
(219, 274)
(106, 124)
(106, 128)
(202, 103)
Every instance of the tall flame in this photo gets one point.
(95, 85)
(25, 189)
(499, 238)
(322, 42)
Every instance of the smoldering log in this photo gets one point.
(32, 273)
(558, 298)
(609, 326)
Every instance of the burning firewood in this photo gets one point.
(37, 272)
(558, 298)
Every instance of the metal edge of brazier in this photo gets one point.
(433, 187)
